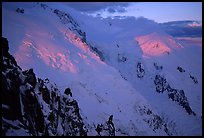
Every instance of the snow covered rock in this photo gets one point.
(20, 10)
(173, 94)
(193, 78)
(140, 70)
(80, 54)
(180, 69)
(32, 106)
(106, 129)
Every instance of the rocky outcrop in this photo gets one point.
(174, 94)
(98, 52)
(157, 67)
(155, 121)
(180, 69)
(140, 70)
(107, 128)
(193, 78)
(65, 17)
(32, 106)
(20, 10)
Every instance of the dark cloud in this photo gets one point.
(111, 10)
(116, 9)
(96, 6)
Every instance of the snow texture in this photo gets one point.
(127, 70)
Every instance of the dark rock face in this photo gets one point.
(74, 26)
(179, 96)
(65, 17)
(10, 82)
(106, 129)
(180, 69)
(193, 78)
(20, 10)
(31, 79)
(157, 67)
(157, 122)
(68, 92)
(71, 118)
(140, 70)
(161, 83)
(97, 52)
(5, 47)
(154, 121)
(173, 94)
(44, 91)
(35, 105)
(33, 118)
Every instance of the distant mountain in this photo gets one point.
(183, 28)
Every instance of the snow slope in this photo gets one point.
(35, 107)
(109, 65)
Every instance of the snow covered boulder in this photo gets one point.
(160, 83)
(106, 129)
(140, 70)
(180, 69)
(20, 10)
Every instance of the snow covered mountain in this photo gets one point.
(126, 76)
(32, 106)
(183, 28)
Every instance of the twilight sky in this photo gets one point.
(157, 11)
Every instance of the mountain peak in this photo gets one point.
(106, 77)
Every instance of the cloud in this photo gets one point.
(111, 10)
(116, 9)
(121, 9)
(96, 6)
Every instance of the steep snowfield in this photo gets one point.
(188, 57)
(110, 68)
(155, 45)
(33, 106)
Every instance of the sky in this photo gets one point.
(157, 11)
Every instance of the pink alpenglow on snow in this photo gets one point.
(155, 45)
(118, 70)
